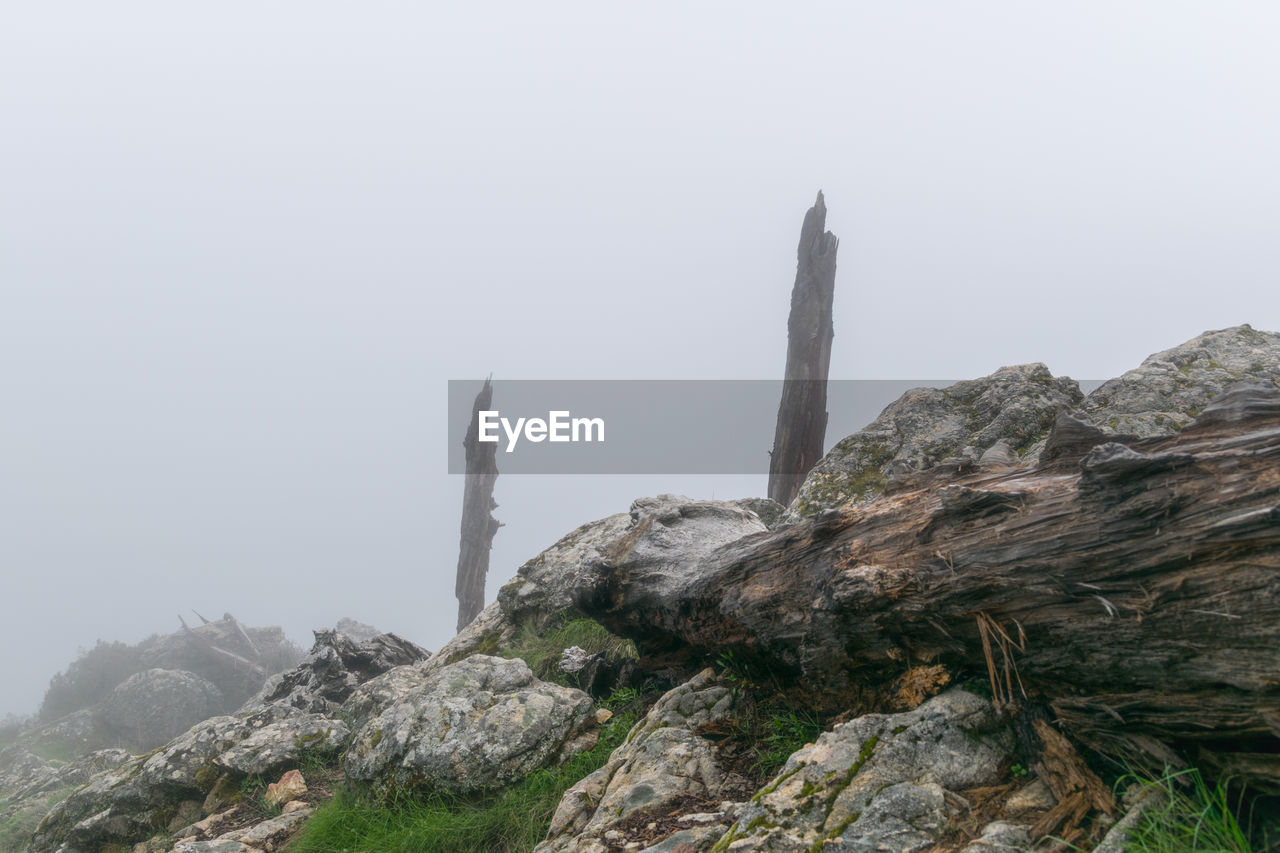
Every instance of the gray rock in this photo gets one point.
(1170, 388)
(357, 631)
(1001, 837)
(769, 511)
(31, 786)
(999, 455)
(154, 706)
(573, 659)
(485, 634)
(662, 760)
(661, 548)
(927, 425)
(283, 743)
(378, 694)
(333, 668)
(877, 782)
(124, 805)
(475, 724)
(540, 591)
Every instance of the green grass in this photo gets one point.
(511, 820)
(542, 649)
(781, 734)
(1191, 817)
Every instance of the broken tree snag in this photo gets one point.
(802, 414)
(478, 523)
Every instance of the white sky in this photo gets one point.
(243, 245)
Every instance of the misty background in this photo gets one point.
(244, 246)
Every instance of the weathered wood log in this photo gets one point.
(802, 413)
(478, 523)
(1134, 588)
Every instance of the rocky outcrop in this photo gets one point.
(335, 666)
(237, 658)
(124, 805)
(295, 715)
(663, 762)
(31, 786)
(1170, 388)
(877, 782)
(152, 707)
(475, 724)
(924, 427)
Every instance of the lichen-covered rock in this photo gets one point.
(475, 724)
(124, 805)
(927, 425)
(377, 694)
(30, 786)
(662, 760)
(877, 782)
(152, 707)
(1170, 388)
(541, 589)
(275, 745)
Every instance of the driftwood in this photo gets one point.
(1133, 588)
(802, 413)
(478, 523)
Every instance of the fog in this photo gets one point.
(244, 246)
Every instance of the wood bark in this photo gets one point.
(478, 523)
(1133, 588)
(802, 413)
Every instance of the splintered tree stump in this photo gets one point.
(478, 523)
(1132, 586)
(802, 413)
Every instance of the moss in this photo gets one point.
(206, 777)
(764, 792)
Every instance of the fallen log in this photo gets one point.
(1134, 587)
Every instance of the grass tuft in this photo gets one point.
(541, 649)
(1189, 816)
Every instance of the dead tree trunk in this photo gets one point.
(1132, 585)
(802, 414)
(478, 523)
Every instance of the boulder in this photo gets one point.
(475, 724)
(154, 706)
(925, 426)
(877, 782)
(542, 588)
(662, 762)
(1170, 388)
(658, 552)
